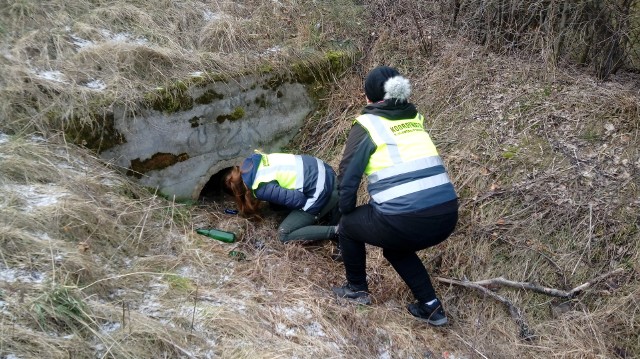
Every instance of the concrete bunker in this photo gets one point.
(191, 132)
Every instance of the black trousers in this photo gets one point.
(400, 237)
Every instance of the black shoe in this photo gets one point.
(431, 313)
(352, 293)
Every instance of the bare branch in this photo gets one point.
(515, 312)
(501, 281)
(486, 287)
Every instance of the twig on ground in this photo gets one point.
(469, 345)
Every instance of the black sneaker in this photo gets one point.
(351, 293)
(431, 313)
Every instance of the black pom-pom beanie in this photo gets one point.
(374, 83)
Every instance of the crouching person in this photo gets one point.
(413, 203)
(304, 184)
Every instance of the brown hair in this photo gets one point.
(247, 204)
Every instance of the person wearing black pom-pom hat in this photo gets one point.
(413, 203)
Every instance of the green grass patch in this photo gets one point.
(179, 283)
(61, 309)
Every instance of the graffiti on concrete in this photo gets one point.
(227, 142)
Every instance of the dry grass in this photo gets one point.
(65, 62)
(546, 165)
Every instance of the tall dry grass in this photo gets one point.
(64, 63)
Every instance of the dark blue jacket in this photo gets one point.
(290, 198)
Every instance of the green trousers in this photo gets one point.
(302, 226)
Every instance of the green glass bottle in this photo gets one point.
(223, 236)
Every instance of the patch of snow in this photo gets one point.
(98, 85)
(38, 196)
(111, 183)
(43, 235)
(272, 50)
(196, 74)
(123, 37)
(292, 313)
(224, 279)
(4, 138)
(11, 275)
(609, 127)
(7, 55)
(186, 271)
(80, 42)
(284, 330)
(109, 327)
(55, 76)
(208, 15)
(315, 330)
(37, 139)
(150, 308)
(449, 355)
(118, 293)
(211, 342)
(99, 348)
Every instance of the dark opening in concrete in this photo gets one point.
(214, 189)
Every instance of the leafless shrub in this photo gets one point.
(600, 34)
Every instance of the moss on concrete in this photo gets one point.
(322, 67)
(170, 99)
(237, 114)
(195, 121)
(97, 134)
(261, 101)
(176, 97)
(208, 97)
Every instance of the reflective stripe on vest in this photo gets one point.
(410, 187)
(420, 163)
(285, 168)
(404, 151)
(319, 186)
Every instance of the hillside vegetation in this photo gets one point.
(534, 106)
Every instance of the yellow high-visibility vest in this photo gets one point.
(398, 141)
(285, 168)
(405, 161)
(288, 171)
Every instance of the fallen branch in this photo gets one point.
(486, 286)
(515, 312)
(501, 281)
